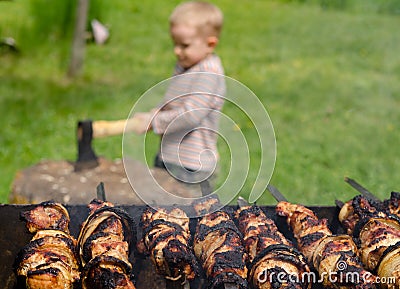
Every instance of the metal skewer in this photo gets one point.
(339, 204)
(205, 188)
(361, 189)
(276, 193)
(101, 193)
(242, 202)
(186, 285)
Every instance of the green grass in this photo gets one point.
(329, 79)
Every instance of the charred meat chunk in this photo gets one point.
(218, 246)
(105, 241)
(166, 238)
(270, 253)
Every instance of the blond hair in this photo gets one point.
(206, 17)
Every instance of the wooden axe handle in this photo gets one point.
(105, 128)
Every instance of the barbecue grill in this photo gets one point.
(14, 235)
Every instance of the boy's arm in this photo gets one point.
(142, 122)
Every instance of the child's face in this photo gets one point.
(190, 46)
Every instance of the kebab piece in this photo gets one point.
(166, 238)
(392, 204)
(270, 253)
(378, 236)
(328, 253)
(49, 260)
(105, 242)
(218, 246)
(46, 216)
(349, 218)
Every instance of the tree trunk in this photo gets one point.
(78, 44)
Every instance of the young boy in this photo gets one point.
(187, 120)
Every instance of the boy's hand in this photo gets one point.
(142, 122)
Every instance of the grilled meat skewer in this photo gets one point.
(166, 238)
(105, 223)
(326, 252)
(105, 241)
(49, 260)
(349, 218)
(218, 246)
(270, 253)
(378, 235)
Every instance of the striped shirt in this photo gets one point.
(188, 118)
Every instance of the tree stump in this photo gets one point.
(58, 181)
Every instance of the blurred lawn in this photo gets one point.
(329, 79)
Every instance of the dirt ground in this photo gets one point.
(58, 181)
